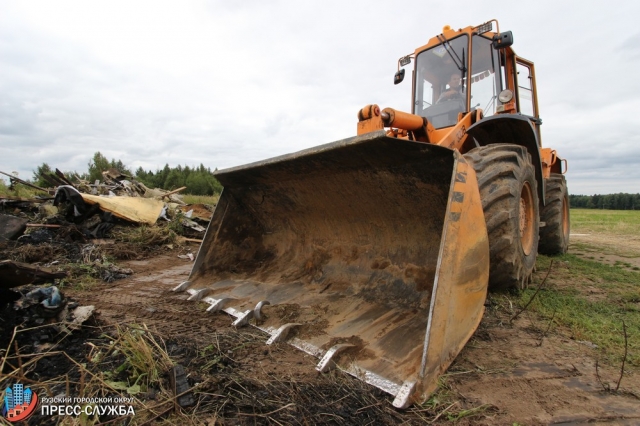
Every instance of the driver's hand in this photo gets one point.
(447, 96)
(450, 94)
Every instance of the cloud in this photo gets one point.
(223, 84)
(630, 47)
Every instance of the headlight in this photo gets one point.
(505, 96)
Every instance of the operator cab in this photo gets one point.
(473, 63)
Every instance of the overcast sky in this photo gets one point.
(225, 83)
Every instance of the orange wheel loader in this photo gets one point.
(374, 253)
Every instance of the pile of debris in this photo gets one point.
(50, 236)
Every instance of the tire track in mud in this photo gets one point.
(146, 297)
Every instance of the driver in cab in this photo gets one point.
(454, 92)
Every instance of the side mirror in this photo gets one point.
(502, 40)
(399, 76)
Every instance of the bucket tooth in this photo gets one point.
(403, 397)
(256, 311)
(281, 334)
(182, 286)
(197, 295)
(326, 363)
(218, 304)
(243, 319)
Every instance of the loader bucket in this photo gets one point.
(369, 253)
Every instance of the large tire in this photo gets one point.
(554, 235)
(508, 190)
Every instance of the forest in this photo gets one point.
(618, 201)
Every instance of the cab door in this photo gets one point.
(526, 95)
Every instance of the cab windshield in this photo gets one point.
(443, 77)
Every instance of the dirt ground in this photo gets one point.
(509, 371)
(608, 249)
(507, 374)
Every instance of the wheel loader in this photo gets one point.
(375, 253)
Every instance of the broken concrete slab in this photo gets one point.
(80, 315)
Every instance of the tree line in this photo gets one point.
(618, 201)
(198, 180)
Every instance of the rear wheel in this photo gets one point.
(554, 235)
(509, 195)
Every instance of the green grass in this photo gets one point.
(18, 190)
(612, 227)
(589, 301)
(616, 222)
(200, 199)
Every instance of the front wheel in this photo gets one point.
(508, 190)
(554, 235)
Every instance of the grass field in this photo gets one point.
(615, 222)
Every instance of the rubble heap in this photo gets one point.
(51, 236)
